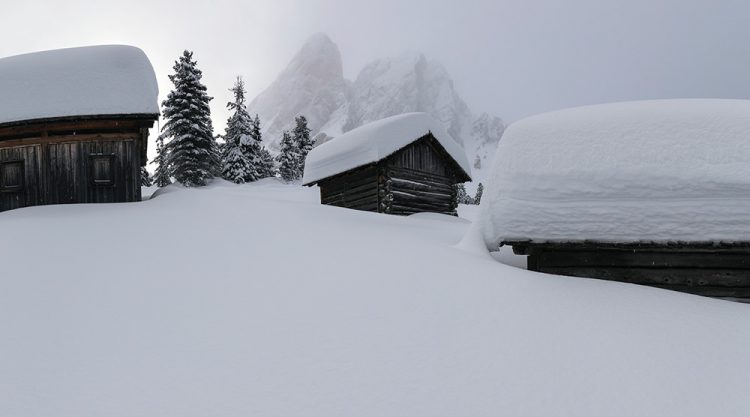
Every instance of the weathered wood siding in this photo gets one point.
(420, 179)
(356, 189)
(70, 163)
(31, 192)
(707, 270)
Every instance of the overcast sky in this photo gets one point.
(509, 57)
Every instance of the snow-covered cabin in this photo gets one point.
(398, 165)
(652, 192)
(74, 125)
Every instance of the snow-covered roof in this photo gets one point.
(87, 81)
(376, 141)
(649, 171)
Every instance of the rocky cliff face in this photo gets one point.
(313, 84)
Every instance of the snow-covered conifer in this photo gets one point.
(146, 180)
(461, 196)
(267, 166)
(192, 150)
(289, 158)
(239, 151)
(304, 143)
(478, 196)
(162, 175)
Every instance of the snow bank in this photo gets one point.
(665, 170)
(88, 81)
(375, 141)
(276, 306)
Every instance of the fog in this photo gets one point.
(512, 58)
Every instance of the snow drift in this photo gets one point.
(279, 306)
(87, 81)
(376, 141)
(651, 171)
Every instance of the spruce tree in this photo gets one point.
(267, 166)
(146, 180)
(162, 175)
(192, 150)
(461, 196)
(238, 154)
(304, 142)
(288, 158)
(478, 196)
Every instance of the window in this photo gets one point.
(102, 169)
(11, 176)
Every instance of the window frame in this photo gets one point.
(16, 188)
(92, 162)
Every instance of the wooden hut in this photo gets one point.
(74, 125)
(399, 165)
(653, 193)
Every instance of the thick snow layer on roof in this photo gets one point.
(375, 141)
(651, 171)
(88, 81)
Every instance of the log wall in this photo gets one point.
(702, 269)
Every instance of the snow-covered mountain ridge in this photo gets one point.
(313, 85)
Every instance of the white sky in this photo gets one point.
(510, 57)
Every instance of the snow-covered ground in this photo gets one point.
(255, 300)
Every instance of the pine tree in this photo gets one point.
(267, 166)
(478, 196)
(304, 143)
(289, 158)
(461, 196)
(162, 175)
(239, 154)
(146, 180)
(192, 151)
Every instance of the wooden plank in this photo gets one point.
(661, 276)
(644, 259)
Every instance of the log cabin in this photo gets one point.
(74, 125)
(402, 165)
(653, 193)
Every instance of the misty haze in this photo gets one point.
(328, 207)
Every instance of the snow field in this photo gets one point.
(256, 300)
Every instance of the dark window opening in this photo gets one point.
(102, 172)
(11, 176)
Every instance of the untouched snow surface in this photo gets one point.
(376, 141)
(87, 81)
(664, 170)
(255, 300)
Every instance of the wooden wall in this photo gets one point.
(419, 178)
(64, 166)
(703, 269)
(356, 189)
(415, 179)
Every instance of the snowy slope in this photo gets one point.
(385, 87)
(661, 170)
(87, 81)
(274, 306)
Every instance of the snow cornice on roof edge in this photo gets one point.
(85, 82)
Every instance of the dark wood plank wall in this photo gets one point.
(420, 179)
(32, 191)
(704, 269)
(356, 189)
(58, 167)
